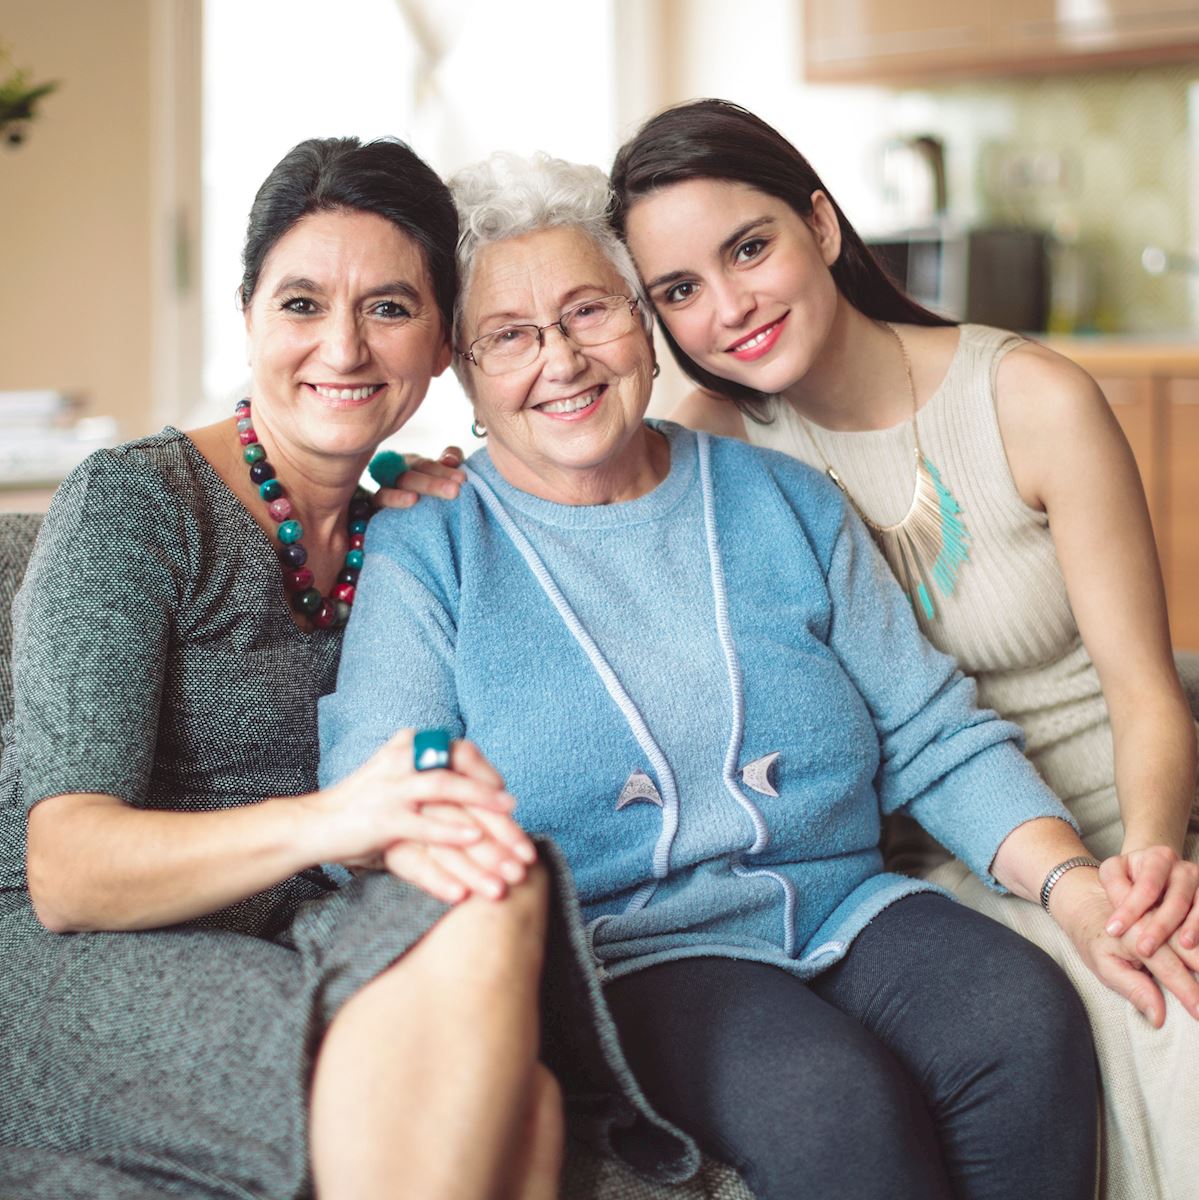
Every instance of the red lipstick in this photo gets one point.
(773, 332)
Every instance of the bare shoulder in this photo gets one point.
(1038, 390)
(714, 414)
(1058, 430)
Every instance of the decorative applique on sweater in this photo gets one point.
(707, 696)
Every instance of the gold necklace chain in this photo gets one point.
(831, 471)
(928, 544)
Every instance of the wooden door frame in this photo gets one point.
(176, 49)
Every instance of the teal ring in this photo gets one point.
(431, 749)
(386, 467)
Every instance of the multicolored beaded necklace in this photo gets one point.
(323, 611)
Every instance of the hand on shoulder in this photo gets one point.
(441, 477)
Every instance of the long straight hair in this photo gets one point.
(715, 139)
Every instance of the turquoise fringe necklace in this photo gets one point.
(928, 547)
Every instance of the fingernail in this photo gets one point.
(1188, 939)
(513, 872)
(1115, 928)
(507, 800)
(495, 889)
(1146, 947)
(527, 851)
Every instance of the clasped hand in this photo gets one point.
(1156, 889)
(1136, 927)
(449, 832)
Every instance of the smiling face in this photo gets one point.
(570, 422)
(739, 278)
(344, 336)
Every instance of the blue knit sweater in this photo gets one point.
(707, 696)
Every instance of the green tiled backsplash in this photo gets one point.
(1104, 158)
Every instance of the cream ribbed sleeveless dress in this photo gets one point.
(1010, 625)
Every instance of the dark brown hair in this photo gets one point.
(714, 139)
(384, 177)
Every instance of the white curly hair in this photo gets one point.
(505, 196)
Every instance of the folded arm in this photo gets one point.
(96, 862)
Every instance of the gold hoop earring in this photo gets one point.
(480, 431)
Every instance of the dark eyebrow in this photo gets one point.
(725, 246)
(743, 230)
(393, 287)
(294, 283)
(669, 277)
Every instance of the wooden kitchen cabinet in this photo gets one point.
(1182, 499)
(1114, 29)
(876, 41)
(1154, 394)
(864, 39)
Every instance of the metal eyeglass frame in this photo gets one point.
(559, 324)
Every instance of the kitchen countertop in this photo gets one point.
(1130, 354)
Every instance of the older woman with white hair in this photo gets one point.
(699, 679)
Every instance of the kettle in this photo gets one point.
(913, 181)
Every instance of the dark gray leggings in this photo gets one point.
(944, 1056)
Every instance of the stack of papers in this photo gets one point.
(43, 436)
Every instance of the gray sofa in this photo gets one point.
(36, 1174)
(587, 1177)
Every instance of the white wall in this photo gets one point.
(455, 78)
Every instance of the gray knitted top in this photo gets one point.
(154, 658)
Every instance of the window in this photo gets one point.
(455, 80)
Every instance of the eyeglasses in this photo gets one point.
(588, 323)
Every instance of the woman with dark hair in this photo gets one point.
(1006, 500)
(714, 140)
(190, 1004)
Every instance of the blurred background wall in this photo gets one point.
(122, 212)
(76, 209)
